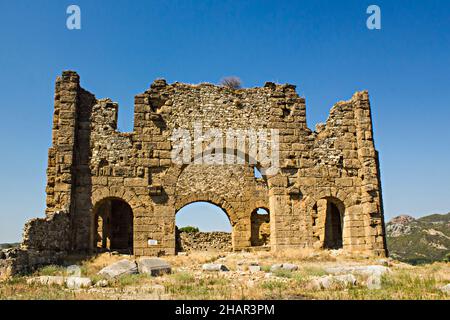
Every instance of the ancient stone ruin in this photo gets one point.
(108, 190)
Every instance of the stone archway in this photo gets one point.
(220, 203)
(334, 224)
(260, 224)
(207, 227)
(327, 218)
(113, 226)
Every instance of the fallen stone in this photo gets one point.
(361, 270)
(373, 282)
(214, 267)
(153, 266)
(329, 282)
(290, 267)
(276, 267)
(385, 262)
(2, 255)
(284, 266)
(78, 282)
(446, 288)
(102, 283)
(120, 268)
(47, 280)
(254, 269)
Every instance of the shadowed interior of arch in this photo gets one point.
(113, 226)
(333, 226)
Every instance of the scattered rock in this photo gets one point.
(185, 254)
(47, 280)
(2, 255)
(284, 266)
(373, 282)
(362, 270)
(153, 266)
(335, 253)
(254, 269)
(373, 273)
(328, 282)
(120, 268)
(384, 262)
(78, 282)
(276, 267)
(102, 283)
(214, 267)
(446, 288)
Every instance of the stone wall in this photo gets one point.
(45, 241)
(90, 162)
(204, 241)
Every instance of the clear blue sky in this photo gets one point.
(323, 47)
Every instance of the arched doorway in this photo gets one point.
(260, 220)
(334, 224)
(113, 227)
(203, 226)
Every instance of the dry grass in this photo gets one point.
(188, 281)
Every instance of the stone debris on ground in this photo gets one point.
(78, 282)
(373, 273)
(446, 288)
(153, 266)
(254, 269)
(214, 267)
(47, 280)
(120, 268)
(284, 266)
(333, 282)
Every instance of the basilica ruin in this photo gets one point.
(108, 190)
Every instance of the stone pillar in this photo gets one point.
(371, 204)
(242, 232)
(61, 154)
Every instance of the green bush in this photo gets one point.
(189, 229)
(447, 257)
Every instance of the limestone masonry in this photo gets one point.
(108, 190)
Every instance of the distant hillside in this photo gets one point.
(8, 245)
(422, 240)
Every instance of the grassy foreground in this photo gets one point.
(188, 281)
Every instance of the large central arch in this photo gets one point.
(113, 225)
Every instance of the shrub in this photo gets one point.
(231, 82)
(447, 257)
(189, 229)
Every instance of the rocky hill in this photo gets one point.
(8, 245)
(421, 240)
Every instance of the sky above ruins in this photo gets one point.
(323, 47)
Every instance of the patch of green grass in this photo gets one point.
(183, 277)
(185, 286)
(51, 270)
(283, 273)
(265, 268)
(130, 280)
(313, 271)
(273, 285)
